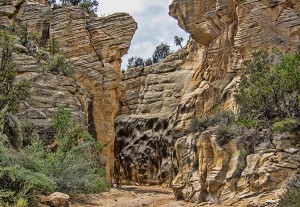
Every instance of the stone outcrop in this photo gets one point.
(94, 47)
(56, 199)
(154, 120)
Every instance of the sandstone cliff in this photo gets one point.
(94, 46)
(153, 142)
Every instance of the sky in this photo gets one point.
(154, 25)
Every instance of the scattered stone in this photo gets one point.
(57, 199)
(291, 150)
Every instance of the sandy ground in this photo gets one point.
(130, 196)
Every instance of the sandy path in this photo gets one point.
(130, 196)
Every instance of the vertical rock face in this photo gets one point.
(94, 47)
(144, 145)
(225, 33)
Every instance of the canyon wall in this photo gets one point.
(154, 142)
(94, 47)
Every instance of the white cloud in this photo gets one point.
(131, 7)
(154, 24)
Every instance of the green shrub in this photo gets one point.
(286, 125)
(17, 181)
(268, 89)
(69, 169)
(246, 121)
(220, 117)
(89, 5)
(224, 134)
(11, 92)
(59, 64)
(53, 46)
(73, 159)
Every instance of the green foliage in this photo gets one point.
(220, 117)
(224, 134)
(246, 121)
(135, 62)
(161, 52)
(72, 159)
(59, 64)
(11, 92)
(148, 62)
(270, 89)
(286, 125)
(17, 182)
(62, 122)
(68, 169)
(89, 5)
(53, 46)
(178, 41)
(71, 170)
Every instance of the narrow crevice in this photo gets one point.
(17, 11)
(91, 124)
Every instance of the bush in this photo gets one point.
(286, 125)
(268, 89)
(73, 171)
(59, 64)
(224, 134)
(246, 121)
(10, 91)
(73, 158)
(220, 117)
(17, 182)
(69, 169)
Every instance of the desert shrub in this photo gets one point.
(220, 117)
(224, 134)
(69, 169)
(72, 167)
(246, 121)
(53, 46)
(59, 64)
(72, 171)
(286, 125)
(17, 182)
(291, 197)
(200, 125)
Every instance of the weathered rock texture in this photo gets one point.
(161, 101)
(94, 47)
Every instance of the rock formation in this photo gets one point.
(94, 47)
(154, 143)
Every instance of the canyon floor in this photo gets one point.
(131, 196)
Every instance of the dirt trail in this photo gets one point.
(130, 196)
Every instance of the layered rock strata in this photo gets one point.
(224, 33)
(94, 47)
